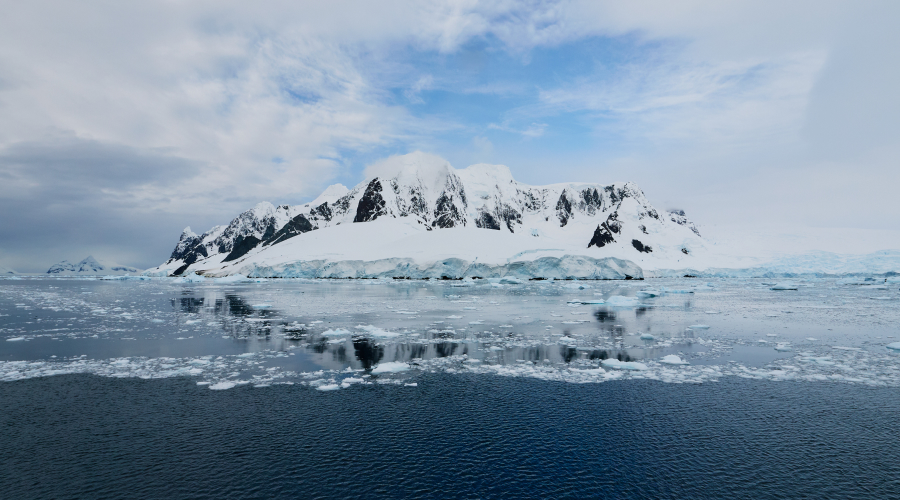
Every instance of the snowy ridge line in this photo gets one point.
(567, 267)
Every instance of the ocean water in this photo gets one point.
(670, 388)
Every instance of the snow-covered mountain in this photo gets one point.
(420, 217)
(88, 266)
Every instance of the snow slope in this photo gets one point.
(420, 217)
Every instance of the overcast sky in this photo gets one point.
(123, 122)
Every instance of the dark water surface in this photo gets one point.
(452, 436)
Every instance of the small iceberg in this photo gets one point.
(391, 367)
(672, 359)
(647, 336)
(589, 302)
(234, 278)
(784, 286)
(894, 346)
(623, 365)
(620, 301)
(699, 327)
(646, 294)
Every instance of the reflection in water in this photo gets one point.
(190, 305)
(367, 352)
(603, 315)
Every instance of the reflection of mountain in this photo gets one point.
(88, 266)
(427, 219)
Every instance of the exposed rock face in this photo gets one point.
(563, 209)
(602, 236)
(298, 225)
(678, 217)
(372, 203)
(242, 246)
(640, 247)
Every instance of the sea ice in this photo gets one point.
(378, 332)
(391, 367)
(672, 359)
(894, 346)
(620, 301)
(784, 286)
(623, 365)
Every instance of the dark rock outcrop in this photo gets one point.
(371, 205)
(602, 236)
(241, 247)
(563, 209)
(296, 226)
(640, 247)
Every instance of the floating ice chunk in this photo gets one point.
(328, 387)
(782, 347)
(234, 278)
(882, 298)
(811, 338)
(588, 302)
(378, 332)
(566, 340)
(699, 327)
(261, 306)
(495, 348)
(711, 312)
(646, 294)
(221, 386)
(771, 335)
(157, 320)
(894, 346)
(577, 286)
(391, 367)
(337, 332)
(784, 286)
(477, 322)
(453, 316)
(411, 384)
(620, 301)
(842, 348)
(15, 339)
(509, 280)
(672, 359)
(647, 336)
(623, 365)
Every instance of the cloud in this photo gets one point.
(413, 93)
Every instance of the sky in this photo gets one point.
(123, 122)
